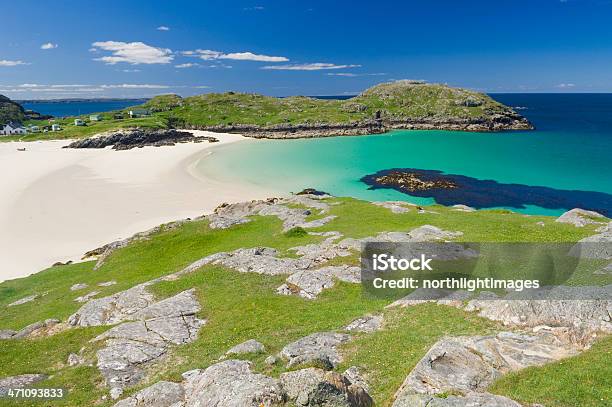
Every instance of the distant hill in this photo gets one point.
(10, 111)
(394, 105)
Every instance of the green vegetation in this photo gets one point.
(240, 306)
(10, 111)
(396, 101)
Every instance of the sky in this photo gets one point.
(83, 49)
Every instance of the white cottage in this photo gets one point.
(12, 128)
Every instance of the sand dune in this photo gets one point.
(56, 203)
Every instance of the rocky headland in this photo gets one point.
(138, 138)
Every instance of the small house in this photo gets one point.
(56, 127)
(34, 129)
(79, 122)
(12, 128)
(139, 113)
(95, 117)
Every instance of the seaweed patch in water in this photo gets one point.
(452, 189)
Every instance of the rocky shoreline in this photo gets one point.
(138, 138)
(495, 123)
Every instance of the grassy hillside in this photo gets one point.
(10, 111)
(241, 306)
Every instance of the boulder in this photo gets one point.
(161, 394)
(579, 217)
(24, 300)
(250, 346)
(369, 323)
(231, 383)
(316, 387)
(79, 286)
(7, 333)
(471, 364)
(107, 283)
(395, 206)
(17, 382)
(87, 297)
(453, 298)
(74, 360)
(36, 327)
(318, 348)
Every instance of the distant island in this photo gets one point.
(404, 104)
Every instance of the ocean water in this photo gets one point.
(76, 108)
(569, 150)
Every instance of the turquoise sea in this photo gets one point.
(569, 150)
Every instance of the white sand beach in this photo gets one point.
(55, 204)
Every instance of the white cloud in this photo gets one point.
(254, 8)
(352, 75)
(202, 87)
(133, 53)
(163, 28)
(187, 65)
(565, 85)
(208, 55)
(134, 86)
(316, 66)
(6, 62)
(48, 45)
(130, 70)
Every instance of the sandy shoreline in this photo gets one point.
(55, 204)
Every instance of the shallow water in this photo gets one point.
(569, 150)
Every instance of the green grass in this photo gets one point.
(243, 306)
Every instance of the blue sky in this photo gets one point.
(143, 48)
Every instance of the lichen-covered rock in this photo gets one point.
(87, 297)
(395, 206)
(369, 323)
(131, 346)
(316, 387)
(471, 364)
(34, 328)
(231, 383)
(586, 309)
(7, 333)
(161, 394)
(24, 300)
(469, 400)
(453, 298)
(250, 346)
(579, 217)
(79, 286)
(310, 283)
(17, 382)
(319, 348)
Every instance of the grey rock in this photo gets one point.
(310, 283)
(316, 387)
(368, 323)
(250, 346)
(112, 309)
(586, 309)
(7, 333)
(79, 286)
(319, 347)
(604, 271)
(395, 206)
(270, 360)
(231, 383)
(17, 382)
(355, 376)
(161, 394)
(594, 247)
(579, 217)
(471, 364)
(87, 297)
(36, 326)
(131, 346)
(107, 283)
(428, 233)
(469, 400)
(24, 300)
(116, 392)
(463, 208)
(74, 360)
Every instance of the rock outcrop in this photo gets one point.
(318, 348)
(468, 365)
(310, 283)
(21, 381)
(250, 346)
(367, 324)
(579, 217)
(137, 138)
